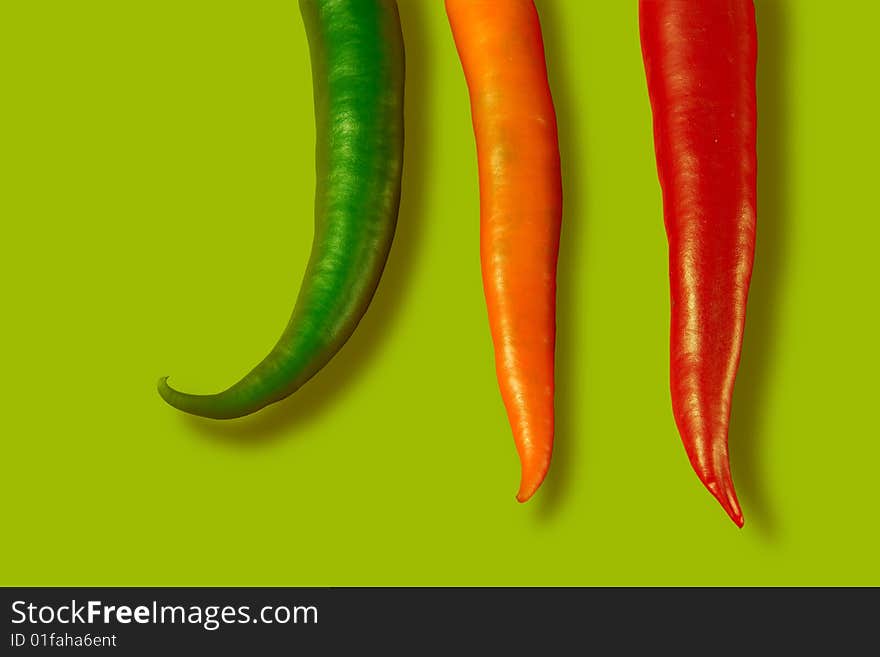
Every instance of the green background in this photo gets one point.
(156, 200)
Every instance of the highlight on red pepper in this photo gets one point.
(502, 53)
(357, 58)
(700, 61)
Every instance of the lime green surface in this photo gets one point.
(156, 182)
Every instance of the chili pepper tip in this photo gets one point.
(527, 487)
(163, 386)
(166, 391)
(726, 496)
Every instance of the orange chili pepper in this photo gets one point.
(502, 54)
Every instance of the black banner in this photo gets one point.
(309, 620)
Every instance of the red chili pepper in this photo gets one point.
(700, 60)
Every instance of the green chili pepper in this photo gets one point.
(358, 75)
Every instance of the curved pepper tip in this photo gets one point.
(529, 483)
(523, 496)
(163, 387)
(726, 496)
(166, 392)
(169, 394)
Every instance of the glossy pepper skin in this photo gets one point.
(502, 53)
(357, 59)
(700, 60)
